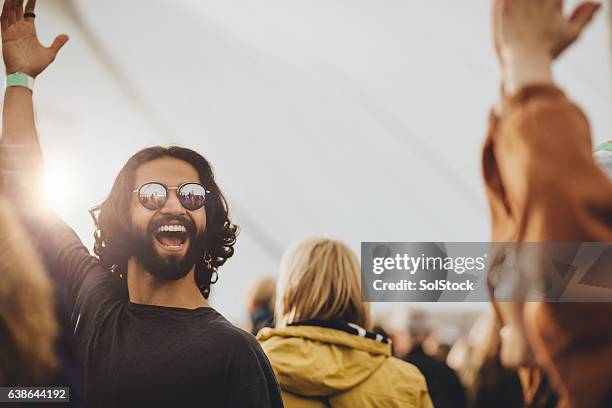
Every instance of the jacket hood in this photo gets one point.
(317, 361)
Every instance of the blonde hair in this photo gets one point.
(320, 279)
(28, 328)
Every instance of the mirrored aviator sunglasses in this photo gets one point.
(154, 195)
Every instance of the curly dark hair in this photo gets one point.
(112, 217)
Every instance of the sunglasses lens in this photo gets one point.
(152, 196)
(192, 196)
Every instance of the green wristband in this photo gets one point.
(604, 146)
(20, 79)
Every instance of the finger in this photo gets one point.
(506, 7)
(4, 16)
(58, 43)
(29, 8)
(18, 10)
(10, 11)
(583, 14)
(496, 11)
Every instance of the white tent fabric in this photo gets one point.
(353, 119)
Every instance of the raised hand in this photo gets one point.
(530, 34)
(538, 25)
(21, 49)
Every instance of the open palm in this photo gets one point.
(538, 25)
(21, 49)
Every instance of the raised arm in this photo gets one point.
(542, 143)
(66, 259)
(23, 54)
(544, 186)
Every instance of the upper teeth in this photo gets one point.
(172, 228)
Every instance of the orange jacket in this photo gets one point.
(543, 185)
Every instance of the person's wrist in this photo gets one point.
(13, 67)
(514, 53)
(523, 66)
(10, 71)
(19, 80)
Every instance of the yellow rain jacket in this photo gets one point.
(322, 367)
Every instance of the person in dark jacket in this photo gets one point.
(262, 297)
(445, 389)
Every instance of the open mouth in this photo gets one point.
(171, 236)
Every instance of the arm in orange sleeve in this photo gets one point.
(554, 189)
(544, 186)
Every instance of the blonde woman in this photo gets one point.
(321, 351)
(28, 327)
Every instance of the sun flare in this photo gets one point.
(57, 182)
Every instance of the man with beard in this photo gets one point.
(145, 332)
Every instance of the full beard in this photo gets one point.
(166, 267)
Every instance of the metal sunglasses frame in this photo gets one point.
(167, 192)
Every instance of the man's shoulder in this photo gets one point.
(232, 337)
(224, 327)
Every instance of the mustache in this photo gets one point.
(188, 223)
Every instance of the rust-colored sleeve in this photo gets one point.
(543, 185)
(553, 189)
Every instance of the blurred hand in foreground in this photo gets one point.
(530, 34)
